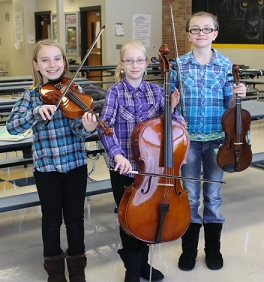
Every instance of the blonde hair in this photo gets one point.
(119, 73)
(37, 77)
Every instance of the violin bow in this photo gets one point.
(77, 71)
(172, 176)
(176, 55)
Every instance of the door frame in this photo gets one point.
(38, 19)
(83, 22)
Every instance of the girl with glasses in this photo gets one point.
(129, 102)
(207, 91)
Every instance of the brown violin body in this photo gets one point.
(74, 104)
(235, 153)
(51, 93)
(156, 209)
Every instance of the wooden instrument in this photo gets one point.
(235, 154)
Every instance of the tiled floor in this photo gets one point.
(242, 237)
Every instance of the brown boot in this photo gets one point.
(55, 267)
(76, 266)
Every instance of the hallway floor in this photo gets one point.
(242, 237)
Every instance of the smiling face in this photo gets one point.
(49, 62)
(134, 63)
(202, 40)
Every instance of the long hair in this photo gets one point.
(119, 73)
(37, 77)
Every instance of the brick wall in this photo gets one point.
(182, 10)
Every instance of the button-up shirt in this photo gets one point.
(125, 107)
(57, 146)
(205, 94)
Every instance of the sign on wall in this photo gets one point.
(141, 28)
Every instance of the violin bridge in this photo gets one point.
(238, 143)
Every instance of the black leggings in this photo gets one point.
(118, 182)
(62, 197)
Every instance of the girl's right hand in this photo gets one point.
(47, 111)
(122, 164)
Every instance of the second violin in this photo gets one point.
(235, 154)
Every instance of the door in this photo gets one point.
(42, 25)
(90, 27)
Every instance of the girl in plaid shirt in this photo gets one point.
(60, 163)
(127, 103)
(207, 91)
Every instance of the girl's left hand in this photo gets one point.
(175, 98)
(239, 90)
(89, 121)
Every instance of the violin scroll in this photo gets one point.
(235, 72)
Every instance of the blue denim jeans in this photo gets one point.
(202, 155)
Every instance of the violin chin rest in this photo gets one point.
(229, 168)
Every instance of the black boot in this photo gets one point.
(76, 266)
(189, 247)
(212, 235)
(55, 267)
(132, 263)
(156, 275)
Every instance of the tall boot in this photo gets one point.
(132, 262)
(55, 267)
(189, 247)
(76, 266)
(156, 275)
(212, 235)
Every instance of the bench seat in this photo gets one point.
(31, 199)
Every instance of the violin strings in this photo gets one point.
(79, 102)
(86, 108)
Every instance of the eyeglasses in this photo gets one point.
(131, 62)
(205, 30)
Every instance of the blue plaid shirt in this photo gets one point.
(206, 92)
(58, 146)
(125, 107)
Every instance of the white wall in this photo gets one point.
(6, 38)
(252, 56)
(120, 11)
(18, 62)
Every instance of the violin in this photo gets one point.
(74, 104)
(155, 208)
(235, 154)
(65, 93)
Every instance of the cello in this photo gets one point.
(235, 154)
(156, 209)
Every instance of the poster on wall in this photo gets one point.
(18, 27)
(141, 28)
(241, 22)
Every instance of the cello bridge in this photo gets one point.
(164, 184)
